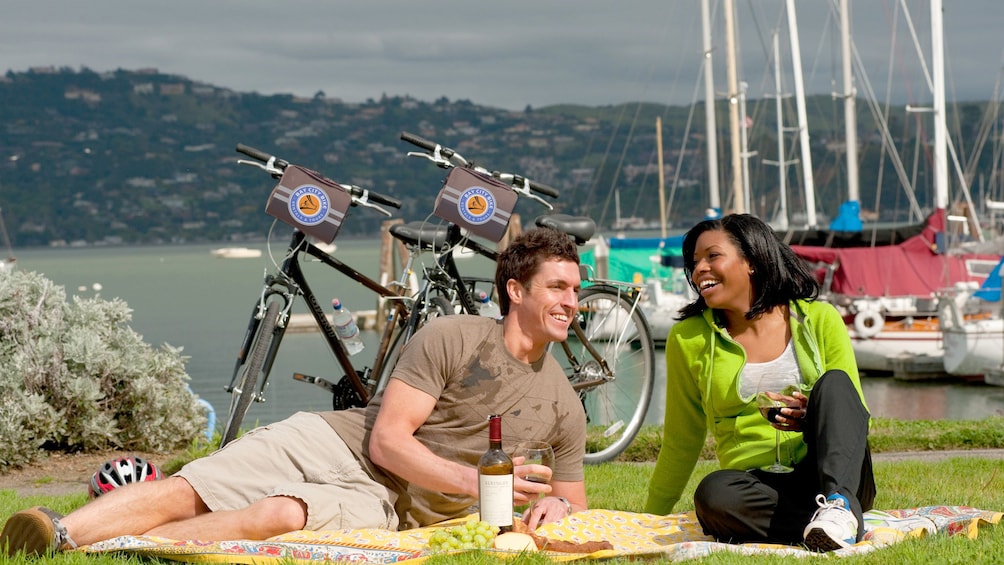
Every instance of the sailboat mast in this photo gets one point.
(739, 201)
(781, 221)
(745, 154)
(710, 125)
(803, 128)
(662, 175)
(850, 109)
(849, 214)
(940, 133)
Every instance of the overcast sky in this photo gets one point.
(508, 53)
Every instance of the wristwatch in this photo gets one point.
(568, 505)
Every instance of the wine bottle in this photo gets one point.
(495, 480)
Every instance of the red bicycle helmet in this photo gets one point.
(121, 471)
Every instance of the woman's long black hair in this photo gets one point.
(778, 274)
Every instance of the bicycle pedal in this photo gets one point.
(321, 382)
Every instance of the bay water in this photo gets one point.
(186, 297)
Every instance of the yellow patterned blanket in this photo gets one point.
(677, 537)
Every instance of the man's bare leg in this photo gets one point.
(171, 508)
(261, 520)
(133, 510)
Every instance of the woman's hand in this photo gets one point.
(792, 416)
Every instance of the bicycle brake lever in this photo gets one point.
(525, 191)
(363, 200)
(268, 167)
(438, 159)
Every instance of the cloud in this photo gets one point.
(508, 54)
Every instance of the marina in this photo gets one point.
(166, 287)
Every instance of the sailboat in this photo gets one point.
(974, 345)
(888, 286)
(666, 288)
(10, 261)
(656, 262)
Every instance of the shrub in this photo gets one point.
(75, 377)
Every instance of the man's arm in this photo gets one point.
(393, 445)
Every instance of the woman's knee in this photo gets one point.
(833, 379)
(836, 388)
(718, 490)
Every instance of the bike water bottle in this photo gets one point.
(346, 328)
(487, 308)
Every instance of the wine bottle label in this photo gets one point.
(496, 499)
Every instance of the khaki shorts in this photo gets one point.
(300, 457)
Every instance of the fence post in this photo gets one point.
(514, 230)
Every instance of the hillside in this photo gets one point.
(141, 157)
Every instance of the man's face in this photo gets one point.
(549, 301)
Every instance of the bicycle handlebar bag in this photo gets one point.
(309, 202)
(480, 204)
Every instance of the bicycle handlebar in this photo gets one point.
(275, 166)
(260, 155)
(446, 157)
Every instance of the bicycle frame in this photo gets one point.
(288, 283)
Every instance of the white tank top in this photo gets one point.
(776, 374)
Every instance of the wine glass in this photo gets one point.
(535, 453)
(770, 409)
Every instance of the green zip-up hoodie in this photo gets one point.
(703, 365)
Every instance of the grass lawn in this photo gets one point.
(622, 485)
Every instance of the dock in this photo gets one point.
(304, 323)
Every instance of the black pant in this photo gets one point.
(751, 506)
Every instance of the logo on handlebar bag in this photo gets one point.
(476, 202)
(476, 205)
(308, 204)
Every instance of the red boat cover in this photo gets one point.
(912, 268)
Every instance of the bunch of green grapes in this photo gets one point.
(469, 535)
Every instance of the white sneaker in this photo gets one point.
(833, 526)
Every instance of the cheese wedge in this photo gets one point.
(514, 541)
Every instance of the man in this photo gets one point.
(407, 459)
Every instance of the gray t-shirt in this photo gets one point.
(463, 363)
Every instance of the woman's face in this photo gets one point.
(721, 274)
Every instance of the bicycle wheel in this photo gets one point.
(437, 306)
(615, 404)
(245, 389)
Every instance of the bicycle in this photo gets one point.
(609, 355)
(314, 206)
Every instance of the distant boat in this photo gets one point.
(974, 346)
(10, 261)
(236, 253)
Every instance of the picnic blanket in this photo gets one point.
(677, 537)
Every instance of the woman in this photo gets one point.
(756, 314)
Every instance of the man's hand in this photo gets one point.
(525, 491)
(547, 509)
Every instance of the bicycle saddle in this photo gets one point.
(581, 228)
(429, 236)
